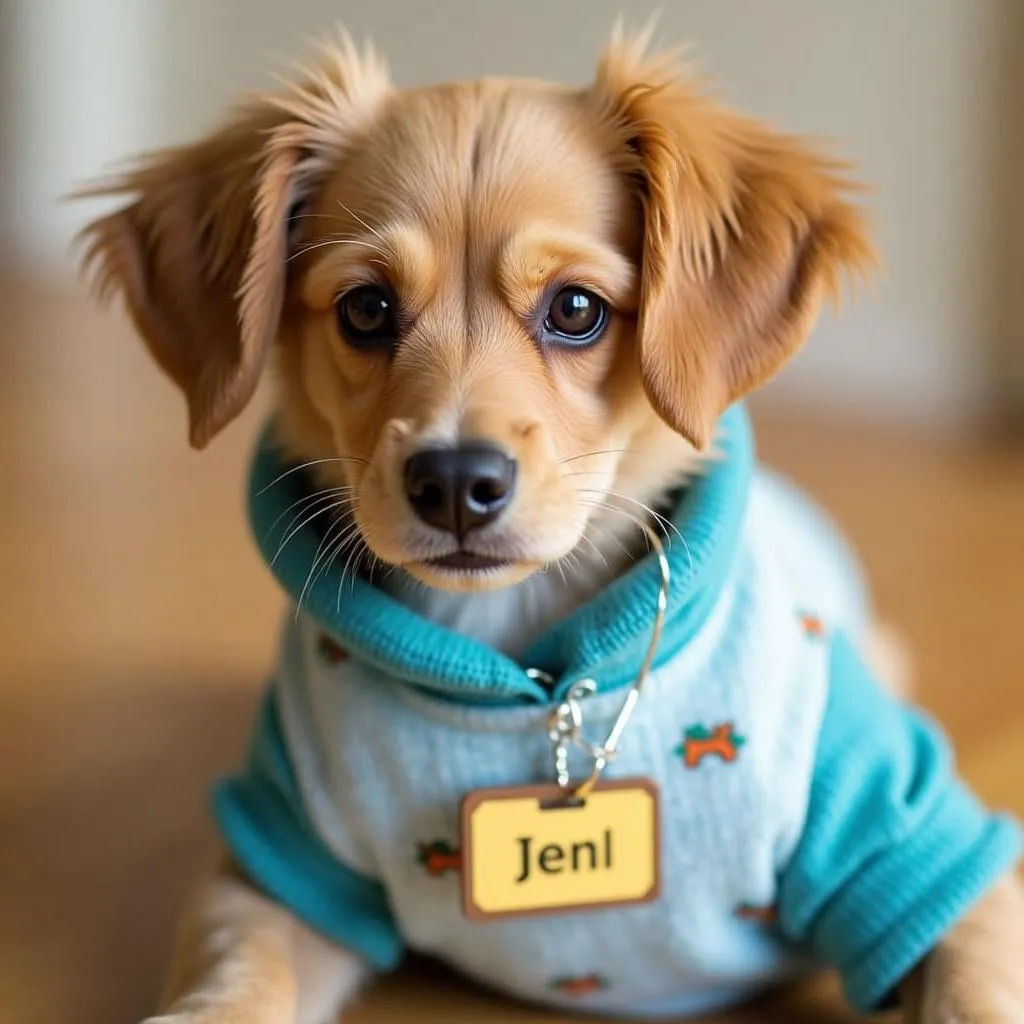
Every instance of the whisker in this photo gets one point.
(314, 497)
(353, 560)
(570, 560)
(369, 227)
(597, 551)
(323, 216)
(584, 472)
(365, 555)
(561, 571)
(312, 216)
(314, 462)
(347, 237)
(326, 556)
(602, 451)
(633, 519)
(375, 563)
(323, 546)
(580, 524)
(308, 519)
(334, 241)
(662, 520)
(627, 515)
(341, 501)
(631, 555)
(390, 570)
(345, 543)
(350, 527)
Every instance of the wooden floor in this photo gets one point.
(137, 626)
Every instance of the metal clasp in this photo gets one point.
(565, 720)
(565, 724)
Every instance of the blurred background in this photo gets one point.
(136, 620)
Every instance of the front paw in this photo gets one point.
(221, 1015)
(975, 976)
(984, 1008)
(191, 1018)
(966, 997)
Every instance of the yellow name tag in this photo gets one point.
(528, 850)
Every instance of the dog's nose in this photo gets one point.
(460, 489)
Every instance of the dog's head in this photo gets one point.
(499, 307)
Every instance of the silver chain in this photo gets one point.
(565, 720)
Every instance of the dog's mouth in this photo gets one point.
(467, 561)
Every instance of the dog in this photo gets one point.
(513, 324)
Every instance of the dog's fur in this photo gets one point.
(714, 241)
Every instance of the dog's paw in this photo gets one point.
(960, 1016)
(193, 1018)
(989, 1005)
(974, 976)
(219, 1015)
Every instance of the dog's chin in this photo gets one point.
(467, 574)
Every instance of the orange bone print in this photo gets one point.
(330, 650)
(580, 986)
(438, 858)
(763, 915)
(699, 742)
(813, 625)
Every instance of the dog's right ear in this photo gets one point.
(200, 253)
(179, 253)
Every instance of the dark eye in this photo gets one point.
(366, 316)
(576, 316)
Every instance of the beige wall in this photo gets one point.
(1009, 364)
(79, 90)
(915, 90)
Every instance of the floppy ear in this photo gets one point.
(200, 253)
(745, 233)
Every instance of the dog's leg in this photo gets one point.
(976, 975)
(245, 960)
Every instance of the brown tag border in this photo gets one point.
(553, 794)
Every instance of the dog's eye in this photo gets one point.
(366, 316)
(576, 317)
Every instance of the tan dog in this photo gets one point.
(441, 263)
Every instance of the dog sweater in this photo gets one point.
(807, 817)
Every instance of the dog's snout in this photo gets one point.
(460, 489)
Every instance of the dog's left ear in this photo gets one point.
(745, 233)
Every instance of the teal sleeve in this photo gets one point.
(261, 817)
(895, 849)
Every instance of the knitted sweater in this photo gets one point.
(807, 816)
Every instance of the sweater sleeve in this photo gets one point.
(895, 849)
(261, 817)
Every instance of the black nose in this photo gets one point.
(460, 489)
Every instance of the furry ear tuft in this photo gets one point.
(200, 250)
(746, 233)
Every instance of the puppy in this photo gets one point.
(513, 323)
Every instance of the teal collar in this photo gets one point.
(605, 639)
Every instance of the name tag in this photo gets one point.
(528, 850)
